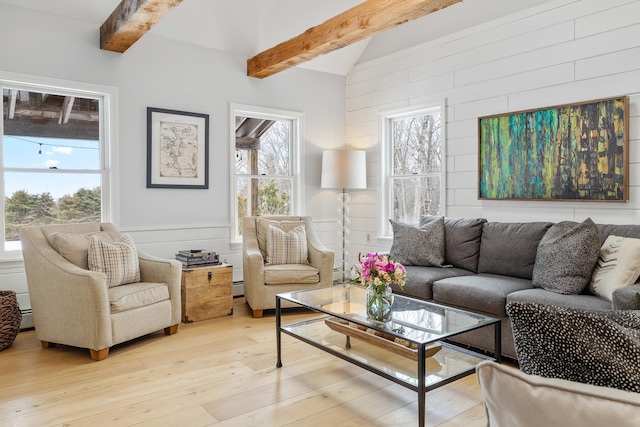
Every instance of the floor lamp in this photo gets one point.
(344, 169)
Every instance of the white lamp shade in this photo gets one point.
(344, 169)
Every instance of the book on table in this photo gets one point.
(196, 252)
(197, 257)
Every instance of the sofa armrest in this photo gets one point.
(627, 298)
(69, 303)
(320, 256)
(514, 398)
(161, 270)
(164, 270)
(252, 262)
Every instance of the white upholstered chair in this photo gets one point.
(513, 398)
(263, 279)
(73, 305)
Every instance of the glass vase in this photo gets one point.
(379, 302)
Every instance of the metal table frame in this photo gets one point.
(421, 388)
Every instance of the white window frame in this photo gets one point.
(295, 161)
(107, 97)
(386, 167)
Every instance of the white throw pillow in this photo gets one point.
(618, 266)
(287, 247)
(75, 246)
(118, 260)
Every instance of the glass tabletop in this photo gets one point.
(412, 319)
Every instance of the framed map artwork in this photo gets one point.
(177, 149)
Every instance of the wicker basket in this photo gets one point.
(10, 318)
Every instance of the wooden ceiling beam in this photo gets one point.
(131, 20)
(13, 96)
(354, 25)
(65, 111)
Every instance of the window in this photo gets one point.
(265, 164)
(54, 150)
(413, 162)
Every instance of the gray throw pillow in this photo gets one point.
(566, 257)
(461, 241)
(422, 246)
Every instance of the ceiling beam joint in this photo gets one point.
(356, 24)
(131, 20)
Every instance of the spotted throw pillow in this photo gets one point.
(118, 260)
(287, 247)
(566, 256)
(423, 246)
(592, 347)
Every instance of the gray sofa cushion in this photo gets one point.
(420, 280)
(627, 298)
(541, 296)
(606, 230)
(510, 248)
(480, 292)
(418, 246)
(599, 348)
(566, 257)
(462, 241)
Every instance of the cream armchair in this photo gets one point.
(73, 305)
(263, 280)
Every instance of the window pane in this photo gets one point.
(49, 198)
(47, 153)
(416, 144)
(263, 197)
(44, 130)
(413, 197)
(262, 146)
(242, 162)
(273, 155)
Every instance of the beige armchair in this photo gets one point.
(513, 398)
(263, 280)
(73, 305)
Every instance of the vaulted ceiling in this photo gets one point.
(249, 27)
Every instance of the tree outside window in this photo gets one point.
(414, 167)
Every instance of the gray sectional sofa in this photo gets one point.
(489, 264)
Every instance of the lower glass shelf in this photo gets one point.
(449, 363)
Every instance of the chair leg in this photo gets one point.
(257, 313)
(47, 344)
(173, 329)
(99, 354)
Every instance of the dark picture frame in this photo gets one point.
(573, 152)
(177, 149)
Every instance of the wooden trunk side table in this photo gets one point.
(207, 292)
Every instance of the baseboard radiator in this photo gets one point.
(238, 289)
(27, 319)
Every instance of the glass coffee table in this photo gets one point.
(409, 350)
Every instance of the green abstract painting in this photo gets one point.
(570, 152)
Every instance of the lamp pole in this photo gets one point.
(344, 169)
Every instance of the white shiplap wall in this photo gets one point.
(560, 52)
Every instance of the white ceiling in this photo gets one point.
(251, 26)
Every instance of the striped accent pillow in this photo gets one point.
(287, 247)
(118, 260)
(618, 266)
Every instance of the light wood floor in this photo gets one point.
(219, 372)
